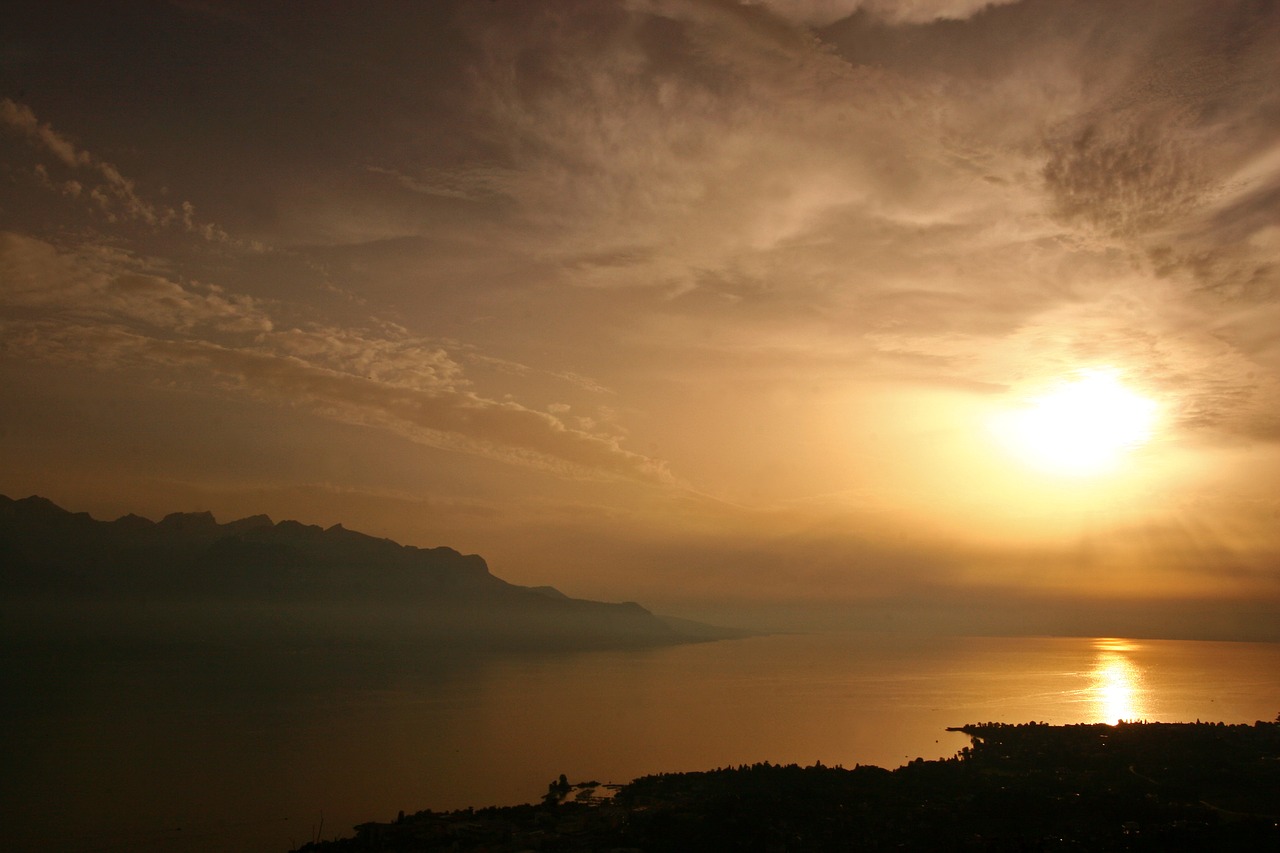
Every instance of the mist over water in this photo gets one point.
(136, 746)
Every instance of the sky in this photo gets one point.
(780, 313)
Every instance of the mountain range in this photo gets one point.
(301, 573)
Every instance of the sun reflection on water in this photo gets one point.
(1116, 682)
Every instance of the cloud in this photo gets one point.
(445, 417)
(117, 196)
(101, 309)
(22, 119)
(105, 283)
(817, 13)
(468, 184)
(1125, 180)
(577, 380)
(1178, 144)
(675, 146)
(983, 204)
(387, 355)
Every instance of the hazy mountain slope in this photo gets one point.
(338, 577)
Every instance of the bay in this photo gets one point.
(191, 748)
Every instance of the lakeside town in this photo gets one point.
(1134, 786)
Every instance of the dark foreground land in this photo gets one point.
(1030, 787)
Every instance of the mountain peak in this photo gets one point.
(189, 520)
(35, 505)
(133, 522)
(252, 522)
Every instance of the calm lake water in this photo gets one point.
(184, 750)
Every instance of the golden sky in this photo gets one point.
(718, 306)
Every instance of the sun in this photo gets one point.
(1081, 426)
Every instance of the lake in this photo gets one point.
(185, 749)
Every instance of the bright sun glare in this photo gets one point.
(1080, 426)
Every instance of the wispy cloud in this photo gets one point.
(102, 308)
(822, 12)
(111, 193)
(99, 281)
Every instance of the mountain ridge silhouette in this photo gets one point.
(52, 553)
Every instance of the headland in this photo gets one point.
(1128, 787)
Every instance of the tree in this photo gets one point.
(557, 790)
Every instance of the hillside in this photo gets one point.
(341, 578)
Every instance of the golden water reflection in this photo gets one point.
(1116, 682)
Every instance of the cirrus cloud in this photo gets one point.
(99, 309)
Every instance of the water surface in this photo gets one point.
(184, 749)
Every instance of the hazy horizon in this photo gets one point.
(249, 611)
(943, 315)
